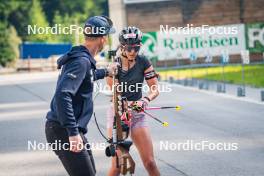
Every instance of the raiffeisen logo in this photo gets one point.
(255, 37)
(150, 45)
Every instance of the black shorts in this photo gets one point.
(76, 164)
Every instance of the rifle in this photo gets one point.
(120, 131)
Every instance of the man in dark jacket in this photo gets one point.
(72, 106)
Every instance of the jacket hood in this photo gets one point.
(75, 52)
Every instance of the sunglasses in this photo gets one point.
(129, 48)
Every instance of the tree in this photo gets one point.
(14, 40)
(69, 13)
(19, 18)
(6, 51)
(42, 13)
(64, 21)
(37, 18)
(84, 9)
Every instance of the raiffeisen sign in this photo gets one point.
(179, 42)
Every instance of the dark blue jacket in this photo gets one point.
(72, 104)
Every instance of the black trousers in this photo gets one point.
(76, 164)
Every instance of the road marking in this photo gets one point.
(23, 115)
(21, 104)
(21, 78)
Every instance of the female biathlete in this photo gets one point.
(133, 70)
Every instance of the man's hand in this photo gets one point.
(76, 143)
(112, 69)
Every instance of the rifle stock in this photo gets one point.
(124, 161)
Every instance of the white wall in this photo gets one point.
(118, 16)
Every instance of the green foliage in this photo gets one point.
(6, 51)
(253, 76)
(233, 74)
(14, 40)
(19, 18)
(79, 9)
(6, 7)
(42, 13)
(69, 13)
(65, 21)
(37, 18)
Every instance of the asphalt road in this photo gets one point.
(24, 101)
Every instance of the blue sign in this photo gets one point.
(42, 50)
